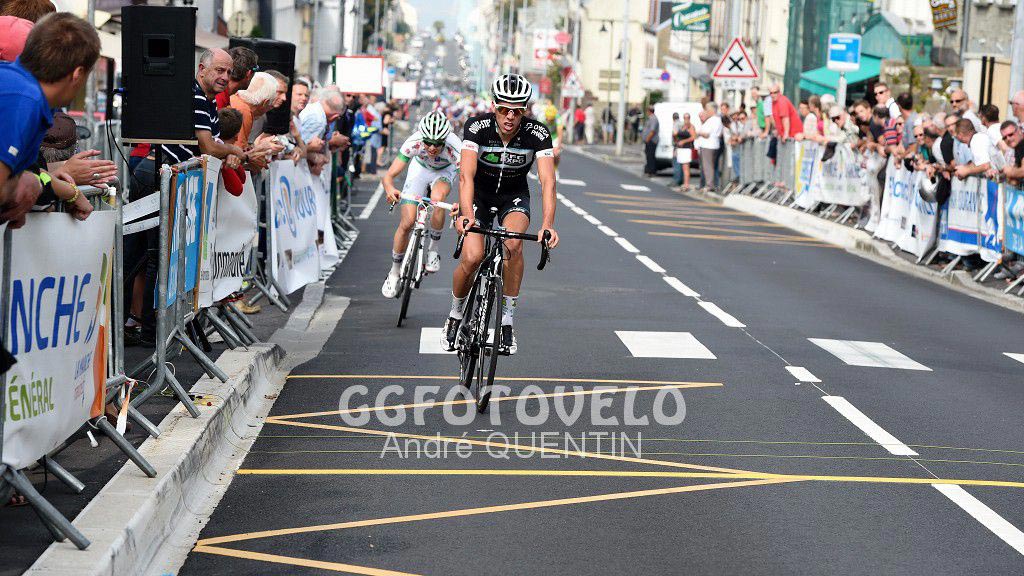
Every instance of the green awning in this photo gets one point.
(824, 81)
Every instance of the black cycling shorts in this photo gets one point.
(505, 204)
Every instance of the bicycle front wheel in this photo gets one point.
(408, 273)
(494, 321)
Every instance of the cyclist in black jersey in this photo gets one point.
(498, 150)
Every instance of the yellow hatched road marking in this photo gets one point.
(485, 510)
(292, 561)
(740, 232)
(743, 239)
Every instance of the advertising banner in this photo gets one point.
(991, 221)
(919, 233)
(59, 303)
(839, 181)
(208, 232)
(1014, 221)
(807, 155)
(187, 199)
(294, 259)
(236, 239)
(899, 184)
(961, 219)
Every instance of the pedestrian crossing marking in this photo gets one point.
(571, 182)
(664, 345)
(871, 354)
(1017, 357)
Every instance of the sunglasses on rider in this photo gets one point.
(505, 110)
(433, 142)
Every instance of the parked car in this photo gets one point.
(663, 110)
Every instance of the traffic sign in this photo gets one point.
(653, 79)
(563, 38)
(735, 63)
(691, 16)
(571, 87)
(843, 52)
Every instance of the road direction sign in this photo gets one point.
(691, 16)
(843, 52)
(735, 63)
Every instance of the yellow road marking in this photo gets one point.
(485, 510)
(741, 233)
(744, 239)
(500, 399)
(496, 379)
(292, 561)
(647, 199)
(580, 453)
(687, 216)
(627, 474)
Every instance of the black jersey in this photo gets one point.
(502, 169)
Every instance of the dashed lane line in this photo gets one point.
(868, 426)
(680, 287)
(368, 209)
(635, 187)
(986, 516)
(802, 374)
(651, 264)
(1015, 356)
(607, 231)
(627, 245)
(726, 318)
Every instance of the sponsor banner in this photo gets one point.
(961, 218)
(839, 181)
(991, 222)
(873, 164)
(919, 233)
(899, 185)
(328, 247)
(59, 309)
(188, 199)
(208, 232)
(1014, 221)
(235, 241)
(295, 259)
(804, 181)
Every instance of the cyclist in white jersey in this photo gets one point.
(432, 155)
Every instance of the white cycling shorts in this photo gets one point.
(420, 180)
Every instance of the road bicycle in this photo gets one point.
(414, 264)
(480, 330)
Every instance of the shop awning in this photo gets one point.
(825, 81)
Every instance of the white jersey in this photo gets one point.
(449, 155)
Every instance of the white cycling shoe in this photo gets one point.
(390, 287)
(433, 261)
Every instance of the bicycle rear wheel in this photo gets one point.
(408, 274)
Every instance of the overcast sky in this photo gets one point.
(430, 10)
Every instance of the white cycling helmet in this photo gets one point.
(512, 88)
(435, 126)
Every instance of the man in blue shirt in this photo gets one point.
(59, 54)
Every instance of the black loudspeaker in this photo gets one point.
(158, 47)
(280, 56)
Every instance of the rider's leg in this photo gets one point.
(401, 241)
(513, 277)
(462, 277)
(438, 192)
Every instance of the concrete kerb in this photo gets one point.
(140, 525)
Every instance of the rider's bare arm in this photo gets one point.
(546, 175)
(467, 171)
(397, 167)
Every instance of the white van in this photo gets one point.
(663, 111)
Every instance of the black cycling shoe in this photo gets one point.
(449, 334)
(508, 344)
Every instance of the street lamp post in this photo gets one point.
(610, 29)
(623, 74)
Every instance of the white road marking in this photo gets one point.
(579, 210)
(867, 426)
(872, 354)
(592, 220)
(979, 511)
(663, 345)
(608, 231)
(627, 245)
(680, 287)
(430, 341)
(1015, 356)
(654, 266)
(566, 202)
(531, 175)
(368, 209)
(725, 317)
(635, 188)
(802, 374)
(571, 182)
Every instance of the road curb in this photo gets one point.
(133, 516)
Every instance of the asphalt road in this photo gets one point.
(910, 464)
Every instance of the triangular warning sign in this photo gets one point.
(735, 63)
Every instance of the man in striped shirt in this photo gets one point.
(211, 79)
